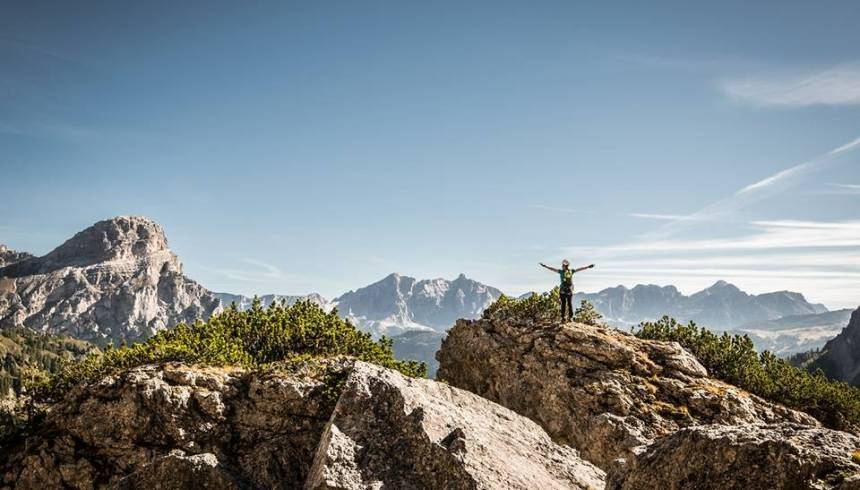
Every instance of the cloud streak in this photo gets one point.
(835, 86)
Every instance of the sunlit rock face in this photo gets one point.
(601, 390)
(115, 280)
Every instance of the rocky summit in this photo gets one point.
(115, 280)
(621, 401)
(184, 427)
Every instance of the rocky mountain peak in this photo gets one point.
(721, 288)
(119, 238)
(398, 303)
(116, 279)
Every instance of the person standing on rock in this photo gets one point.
(566, 288)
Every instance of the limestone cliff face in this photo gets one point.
(841, 355)
(116, 279)
(185, 427)
(601, 390)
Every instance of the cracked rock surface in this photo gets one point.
(115, 280)
(181, 427)
(716, 457)
(601, 390)
(389, 431)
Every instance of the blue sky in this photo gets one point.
(317, 146)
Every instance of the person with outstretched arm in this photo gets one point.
(566, 288)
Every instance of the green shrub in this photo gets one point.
(253, 338)
(540, 308)
(586, 313)
(733, 359)
(537, 307)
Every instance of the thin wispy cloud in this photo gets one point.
(665, 217)
(769, 235)
(560, 209)
(843, 188)
(833, 86)
(259, 272)
(768, 254)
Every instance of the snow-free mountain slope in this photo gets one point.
(114, 280)
(399, 303)
(721, 306)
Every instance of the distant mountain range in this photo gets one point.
(722, 306)
(397, 304)
(798, 333)
(119, 280)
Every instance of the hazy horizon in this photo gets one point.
(326, 147)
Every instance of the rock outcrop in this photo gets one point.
(721, 457)
(184, 427)
(232, 428)
(603, 391)
(115, 280)
(9, 256)
(388, 431)
(840, 358)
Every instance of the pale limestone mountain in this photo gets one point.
(398, 303)
(722, 306)
(114, 280)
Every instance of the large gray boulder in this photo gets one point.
(183, 427)
(389, 431)
(722, 457)
(176, 427)
(601, 390)
(115, 280)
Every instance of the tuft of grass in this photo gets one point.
(671, 411)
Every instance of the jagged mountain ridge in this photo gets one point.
(398, 303)
(840, 357)
(9, 256)
(114, 280)
(721, 306)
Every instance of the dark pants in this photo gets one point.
(566, 305)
